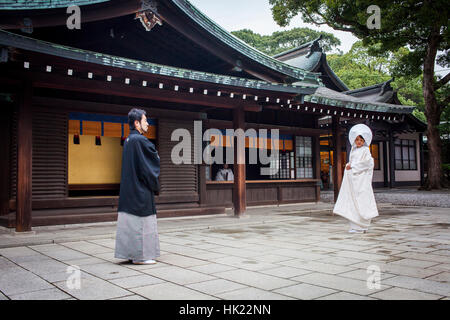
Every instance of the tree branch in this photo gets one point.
(442, 82)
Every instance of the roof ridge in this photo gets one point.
(304, 45)
(219, 32)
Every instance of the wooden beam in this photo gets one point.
(118, 109)
(239, 191)
(337, 159)
(24, 161)
(224, 124)
(110, 88)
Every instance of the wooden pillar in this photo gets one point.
(385, 165)
(391, 159)
(316, 142)
(337, 159)
(202, 184)
(5, 133)
(24, 161)
(239, 191)
(421, 157)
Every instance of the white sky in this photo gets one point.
(256, 15)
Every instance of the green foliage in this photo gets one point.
(363, 66)
(280, 41)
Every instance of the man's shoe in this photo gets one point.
(144, 262)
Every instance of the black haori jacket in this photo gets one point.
(140, 172)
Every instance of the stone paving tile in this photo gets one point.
(415, 263)
(210, 256)
(109, 256)
(11, 253)
(86, 247)
(442, 252)
(212, 268)
(271, 258)
(5, 263)
(3, 297)
(362, 255)
(65, 254)
(300, 255)
(404, 294)
(48, 294)
(341, 261)
(399, 269)
(14, 281)
(55, 277)
(317, 266)
(43, 267)
(252, 294)
(214, 287)
(440, 267)
(178, 275)
(339, 283)
(141, 267)
(47, 247)
(85, 261)
(255, 279)
(136, 281)
(424, 285)
(170, 291)
(285, 272)
(238, 253)
(361, 274)
(426, 257)
(181, 261)
(245, 263)
(344, 296)
(92, 288)
(108, 271)
(109, 243)
(132, 297)
(305, 291)
(441, 277)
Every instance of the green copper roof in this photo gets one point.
(296, 74)
(314, 94)
(330, 97)
(44, 4)
(18, 41)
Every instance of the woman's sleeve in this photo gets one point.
(149, 165)
(366, 162)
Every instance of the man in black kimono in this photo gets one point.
(137, 235)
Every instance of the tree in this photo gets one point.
(422, 27)
(280, 41)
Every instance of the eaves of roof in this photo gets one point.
(34, 45)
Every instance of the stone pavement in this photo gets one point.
(286, 252)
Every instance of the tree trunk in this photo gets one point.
(433, 114)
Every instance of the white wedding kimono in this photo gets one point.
(356, 201)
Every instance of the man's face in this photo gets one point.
(142, 126)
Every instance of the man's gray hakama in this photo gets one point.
(137, 237)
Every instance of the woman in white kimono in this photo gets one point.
(356, 201)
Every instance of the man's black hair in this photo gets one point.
(133, 115)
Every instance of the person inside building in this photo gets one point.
(137, 235)
(356, 200)
(225, 174)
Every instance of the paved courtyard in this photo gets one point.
(286, 252)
